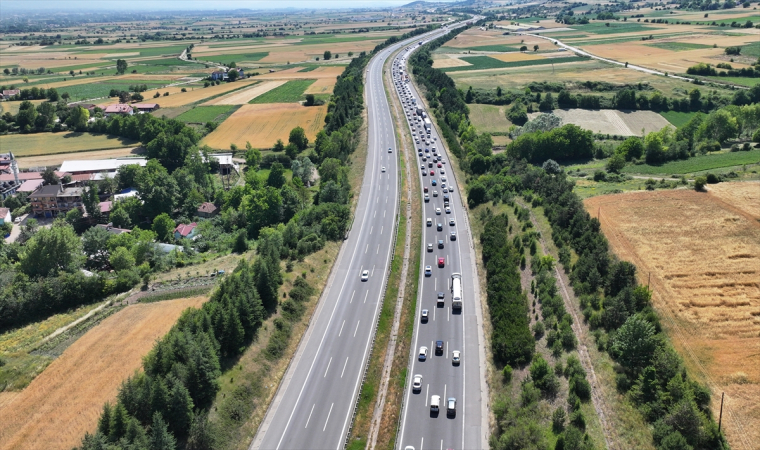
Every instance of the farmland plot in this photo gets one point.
(194, 94)
(245, 95)
(610, 121)
(65, 400)
(263, 124)
(703, 253)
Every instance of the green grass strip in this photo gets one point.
(486, 62)
(290, 92)
(698, 163)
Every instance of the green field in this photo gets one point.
(741, 81)
(174, 50)
(741, 20)
(489, 118)
(486, 62)
(235, 57)
(290, 92)
(480, 48)
(203, 114)
(678, 118)
(678, 46)
(63, 142)
(698, 163)
(613, 28)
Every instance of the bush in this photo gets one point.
(538, 329)
(712, 178)
(558, 420)
(699, 183)
(506, 373)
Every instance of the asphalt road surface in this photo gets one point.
(421, 427)
(313, 408)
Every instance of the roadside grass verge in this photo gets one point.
(290, 92)
(486, 62)
(698, 163)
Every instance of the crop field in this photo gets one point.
(296, 73)
(745, 193)
(482, 48)
(489, 118)
(203, 114)
(194, 94)
(65, 400)
(487, 62)
(90, 90)
(518, 56)
(58, 158)
(613, 28)
(13, 107)
(64, 142)
(677, 118)
(677, 46)
(243, 96)
(321, 86)
(290, 92)
(703, 254)
(236, 57)
(698, 164)
(263, 124)
(611, 121)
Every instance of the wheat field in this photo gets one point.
(703, 253)
(65, 400)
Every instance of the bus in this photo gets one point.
(456, 291)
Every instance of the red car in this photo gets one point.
(426, 189)
(440, 262)
(439, 165)
(432, 172)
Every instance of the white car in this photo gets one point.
(424, 315)
(365, 275)
(428, 271)
(390, 150)
(456, 357)
(438, 211)
(383, 169)
(417, 383)
(423, 353)
(429, 222)
(451, 222)
(448, 210)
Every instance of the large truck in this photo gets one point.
(427, 124)
(418, 111)
(456, 291)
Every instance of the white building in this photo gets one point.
(97, 166)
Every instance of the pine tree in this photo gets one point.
(160, 437)
(180, 412)
(118, 424)
(159, 396)
(105, 420)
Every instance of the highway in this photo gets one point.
(313, 407)
(446, 240)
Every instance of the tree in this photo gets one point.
(551, 166)
(535, 48)
(252, 156)
(161, 438)
(276, 176)
(52, 250)
(78, 118)
(278, 146)
(233, 75)
(547, 104)
(634, 343)
(719, 125)
(157, 189)
(291, 150)
(517, 114)
(327, 55)
(91, 202)
(302, 169)
(52, 95)
(95, 246)
(163, 226)
(121, 259)
(699, 183)
(524, 48)
(180, 407)
(121, 66)
(298, 137)
(49, 176)
(241, 243)
(631, 148)
(119, 217)
(616, 163)
(309, 100)
(27, 114)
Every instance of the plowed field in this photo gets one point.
(703, 253)
(263, 124)
(65, 401)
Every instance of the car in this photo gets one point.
(445, 190)
(451, 222)
(453, 236)
(419, 154)
(430, 166)
(424, 316)
(439, 227)
(427, 198)
(439, 164)
(440, 243)
(443, 162)
(443, 179)
(443, 184)
(438, 211)
(433, 182)
(390, 150)
(432, 172)
(424, 173)
(442, 171)
(417, 383)
(383, 169)
(456, 357)
(428, 271)
(427, 150)
(422, 166)
(439, 347)
(446, 197)
(435, 193)
(441, 262)
(365, 275)
(425, 189)
(440, 299)
(430, 247)
(435, 403)
(448, 210)
(423, 353)
(451, 407)
(429, 222)
(424, 159)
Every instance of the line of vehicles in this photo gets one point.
(435, 189)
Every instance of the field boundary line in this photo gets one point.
(678, 332)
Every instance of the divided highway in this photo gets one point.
(443, 332)
(313, 407)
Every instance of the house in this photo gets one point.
(97, 166)
(55, 199)
(112, 229)
(226, 164)
(185, 231)
(30, 185)
(88, 106)
(9, 93)
(145, 107)
(119, 108)
(5, 216)
(207, 210)
(105, 208)
(218, 75)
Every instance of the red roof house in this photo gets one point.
(119, 108)
(185, 231)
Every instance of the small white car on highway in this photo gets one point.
(365, 275)
(424, 315)
(448, 210)
(417, 383)
(438, 211)
(423, 353)
(428, 271)
(383, 169)
(456, 357)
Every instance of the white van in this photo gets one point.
(435, 403)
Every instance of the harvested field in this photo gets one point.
(263, 124)
(745, 196)
(59, 158)
(13, 107)
(612, 121)
(446, 61)
(63, 142)
(65, 401)
(489, 118)
(194, 94)
(245, 95)
(322, 86)
(295, 74)
(518, 56)
(703, 253)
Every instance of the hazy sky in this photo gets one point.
(185, 5)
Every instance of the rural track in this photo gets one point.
(678, 332)
(571, 305)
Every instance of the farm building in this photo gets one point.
(96, 166)
(185, 231)
(119, 108)
(30, 185)
(8, 93)
(222, 75)
(146, 107)
(226, 164)
(5, 216)
(207, 210)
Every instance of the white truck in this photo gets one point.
(456, 291)
(427, 124)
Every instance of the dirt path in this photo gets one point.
(581, 332)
